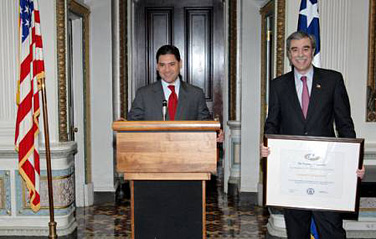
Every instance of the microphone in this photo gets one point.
(164, 109)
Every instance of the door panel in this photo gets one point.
(196, 27)
(159, 33)
(198, 43)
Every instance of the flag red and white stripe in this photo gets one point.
(27, 125)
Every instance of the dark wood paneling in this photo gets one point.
(199, 49)
(196, 27)
(233, 32)
(123, 55)
(159, 33)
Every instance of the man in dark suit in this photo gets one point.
(147, 104)
(185, 102)
(309, 101)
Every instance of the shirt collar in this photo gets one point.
(309, 74)
(176, 83)
(167, 91)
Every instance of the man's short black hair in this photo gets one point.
(168, 49)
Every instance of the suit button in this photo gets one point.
(305, 133)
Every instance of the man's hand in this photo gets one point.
(264, 151)
(360, 172)
(220, 136)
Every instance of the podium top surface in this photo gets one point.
(166, 126)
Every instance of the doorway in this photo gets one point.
(78, 99)
(196, 28)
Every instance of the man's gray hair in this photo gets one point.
(298, 36)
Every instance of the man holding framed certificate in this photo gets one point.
(308, 101)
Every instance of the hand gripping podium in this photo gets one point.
(167, 163)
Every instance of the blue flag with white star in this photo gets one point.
(314, 233)
(309, 22)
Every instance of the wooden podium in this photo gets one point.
(167, 163)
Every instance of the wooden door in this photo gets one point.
(196, 27)
(76, 103)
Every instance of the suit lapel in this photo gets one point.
(158, 96)
(182, 100)
(293, 96)
(315, 93)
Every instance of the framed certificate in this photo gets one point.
(313, 172)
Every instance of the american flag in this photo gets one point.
(27, 125)
(309, 22)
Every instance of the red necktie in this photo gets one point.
(305, 96)
(172, 102)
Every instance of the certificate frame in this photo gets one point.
(309, 172)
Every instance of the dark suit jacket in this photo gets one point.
(328, 103)
(147, 104)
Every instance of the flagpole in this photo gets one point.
(52, 223)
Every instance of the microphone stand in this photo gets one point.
(164, 109)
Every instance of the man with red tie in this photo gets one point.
(162, 198)
(184, 101)
(309, 101)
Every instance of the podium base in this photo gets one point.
(168, 209)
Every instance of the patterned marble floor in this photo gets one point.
(227, 217)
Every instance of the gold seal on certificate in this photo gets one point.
(313, 172)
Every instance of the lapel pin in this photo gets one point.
(318, 86)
